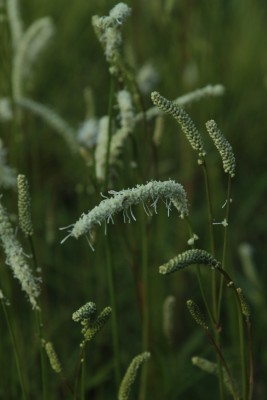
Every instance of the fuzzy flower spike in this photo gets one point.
(170, 191)
(108, 31)
(223, 146)
(183, 119)
(16, 260)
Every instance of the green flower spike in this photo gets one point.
(223, 146)
(130, 375)
(90, 331)
(24, 206)
(189, 257)
(86, 315)
(196, 313)
(183, 119)
(86, 312)
(53, 358)
(244, 305)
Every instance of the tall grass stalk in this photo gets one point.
(15, 350)
(211, 232)
(145, 306)
(225, 243)
(114, 317)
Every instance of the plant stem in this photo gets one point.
(220, 356)
(242, 350)
(201, 287)
(211, 233)
(114, 318)
(225, 242)
(251, 363)
(39, 325)
(16, 352)
(145, 307)
(82, 381)
(110, 113)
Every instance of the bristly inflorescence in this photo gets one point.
(91, 323)
(86, 312)
(130, 375)
(16, 260)
(223, 146)
(183, 119)
(127, 122)
(170, 191)
(196, 313)
(108, 31)
(189, 257)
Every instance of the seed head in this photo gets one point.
(130, 375)
(24, 206)
(183, 119)
(223, 146)
(189, 257)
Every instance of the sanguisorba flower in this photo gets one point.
(183, 119)
(223, 146)
(16, 260)
(169, 191)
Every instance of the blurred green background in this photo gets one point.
(190, 44)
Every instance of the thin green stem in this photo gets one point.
(39, 326)
(201, 287)
(114, 318)
(225, 243)
(224, 363)
(242, 350)
(110, 114)
(211, 232)
(83, 381)
(78, 372)
(145, 307)
(16, 352)
(251, 362)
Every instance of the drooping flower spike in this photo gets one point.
(183, 119)
(223, 146)
(170, 191)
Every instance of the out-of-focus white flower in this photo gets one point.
(147, 78)
(87, 133)
(16, 260)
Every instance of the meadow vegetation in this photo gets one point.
(132, 226)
